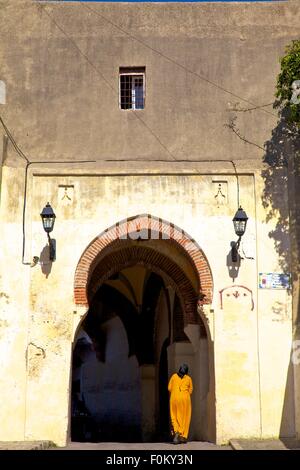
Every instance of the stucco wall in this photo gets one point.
(61, 75)
(59, 108)
(14, 301)
(243, 336)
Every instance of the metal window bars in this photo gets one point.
(132, 91)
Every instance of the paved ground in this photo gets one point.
(265, 444)
(142, 446)
(236, 444)
(25, 445)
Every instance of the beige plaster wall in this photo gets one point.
(60, 108)
(248, 368)
(14, 312)
(275, 321)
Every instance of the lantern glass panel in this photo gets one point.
(48, 223)
(240, 227)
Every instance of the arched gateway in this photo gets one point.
(144, 282)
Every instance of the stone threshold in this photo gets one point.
(265, 444)
(26, 445)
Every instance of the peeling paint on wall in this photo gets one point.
(35, 357)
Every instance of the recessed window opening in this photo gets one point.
(132, 87)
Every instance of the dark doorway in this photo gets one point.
(115, 342)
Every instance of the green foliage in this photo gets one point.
(290, 71)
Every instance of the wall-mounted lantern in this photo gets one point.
(239, 223)
(48, 219)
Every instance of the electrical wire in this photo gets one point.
(237, 183)
(115, 91)
(9, 135)
(178, 64)
(134, 112)
(25, 193)
(24, 157)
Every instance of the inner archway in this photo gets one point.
(143, 295)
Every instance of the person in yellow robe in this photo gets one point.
(180, 388)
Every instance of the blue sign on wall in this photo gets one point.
(274, 281)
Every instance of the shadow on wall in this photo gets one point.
(282, 175)
(287, 426)
(46, 264)
(233, 266)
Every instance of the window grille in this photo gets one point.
(132, 88)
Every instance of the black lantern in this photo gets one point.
(48, 219)
(239, 222)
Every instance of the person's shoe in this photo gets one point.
(182, 440)
(176, 439)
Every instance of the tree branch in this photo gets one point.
(236, 131)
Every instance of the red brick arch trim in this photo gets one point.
(143, 227)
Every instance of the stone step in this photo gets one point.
(265, 444)
(26, 445)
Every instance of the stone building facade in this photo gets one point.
(144, 174)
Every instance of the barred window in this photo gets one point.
(132, 88)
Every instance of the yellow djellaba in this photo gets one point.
(180, 388)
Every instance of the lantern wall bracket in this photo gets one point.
(235, 250)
